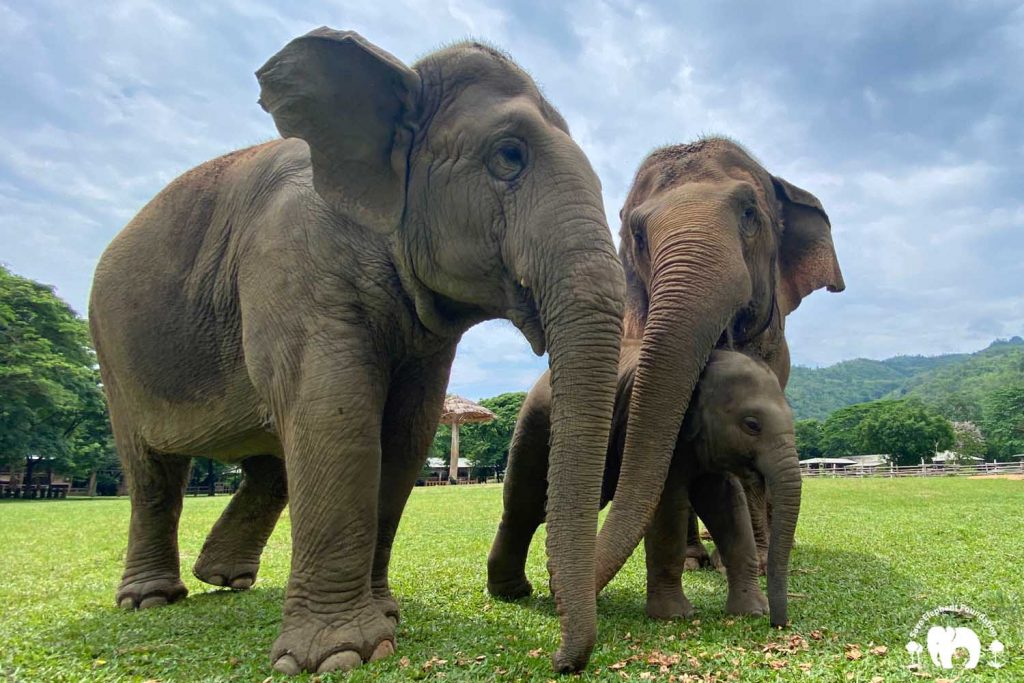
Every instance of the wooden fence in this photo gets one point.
(927, 470)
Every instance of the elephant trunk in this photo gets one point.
(580, 305)
(782, 479)
(699, 281)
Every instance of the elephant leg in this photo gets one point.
(231, 554)
(331, 433)
(696, 554)
(410, 419)
(524, 494)
(156, 484)
(665, 546)
(720, 502)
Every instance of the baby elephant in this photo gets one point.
(738, 423)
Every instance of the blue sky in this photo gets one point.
(905, 118)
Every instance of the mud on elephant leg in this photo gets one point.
(231, 554)
(156, 483)
(720, 502)
(665, 545)
(410, 419)
(696, 554)
(524, 494)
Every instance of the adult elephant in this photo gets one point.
(295, 306)
(717, 251)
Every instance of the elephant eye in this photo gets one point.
(750, 223)
(752, 425)
(508, 161)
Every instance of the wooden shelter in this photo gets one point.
(459, 411)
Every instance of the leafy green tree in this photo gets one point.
(907, 430)
(840, 435)
(1003, 419)
(808, 438)
(52, 410)
(968, 441)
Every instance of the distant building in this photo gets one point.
(952, 457)
(870, 461)
(827, 463)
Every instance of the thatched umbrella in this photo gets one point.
(459, 411)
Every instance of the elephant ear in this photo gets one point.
(807, 257)
(355, 106)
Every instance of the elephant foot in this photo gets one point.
(150, 592)
(716, 561)
(308, 644)
(236, 574)
(747, 602)
(667, 606)
(510, 589)
(388, 606)
(696, 558)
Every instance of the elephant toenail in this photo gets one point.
(340, 661)
(153, 601)
(127, 603)
(287, 665)
(241, 583)
(216, 580)
(385, 649)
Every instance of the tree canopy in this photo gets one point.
(907, 430)
(51, 404)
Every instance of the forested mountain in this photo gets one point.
(955, 383)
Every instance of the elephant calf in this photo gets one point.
(738, 423)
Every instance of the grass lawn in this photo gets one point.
(872, 557)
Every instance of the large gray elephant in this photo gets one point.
(738, 423)
(295, 307)
(717, 252)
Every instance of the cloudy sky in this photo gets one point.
(905, 118)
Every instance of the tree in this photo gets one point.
(906, 429)
(52, 409)
(484, 444)
(839, 432)
(1003, 418)
(808, 438)
(968, 442)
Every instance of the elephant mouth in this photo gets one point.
(525, 316)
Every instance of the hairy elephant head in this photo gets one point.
(492, 211)
(739, 422)
(716, 251)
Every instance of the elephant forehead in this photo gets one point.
(450, 72)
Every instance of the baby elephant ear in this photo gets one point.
(355, 106)
(807, 257)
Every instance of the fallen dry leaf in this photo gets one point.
(535, 653)
(777, 664)
(404, 662)
(877, 679)
(853, 652)
(816, 635)
(879, 650)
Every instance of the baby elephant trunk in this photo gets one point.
(782, 477)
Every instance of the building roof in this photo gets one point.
(462, 410)
(943, 456)
(439, 463)
(827, 461)
(873, 460)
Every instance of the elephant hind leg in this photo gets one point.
(524, 494)
(231, 554)
(156, 483)
(696, 554)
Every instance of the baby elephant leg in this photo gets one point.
(696, 554)
(665, 545)
(719, 500)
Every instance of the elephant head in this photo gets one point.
(739, 422)
(491, 210)
(716, 250)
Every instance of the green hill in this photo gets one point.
(952, 383)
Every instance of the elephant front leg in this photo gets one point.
(524, 494)
(410, 420)
(331, 437)
(665, 545)
(231, 554)
(720, 502)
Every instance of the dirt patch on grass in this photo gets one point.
(1014, 477)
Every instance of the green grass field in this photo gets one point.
(872, 557)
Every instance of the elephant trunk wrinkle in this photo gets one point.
(784, 489)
